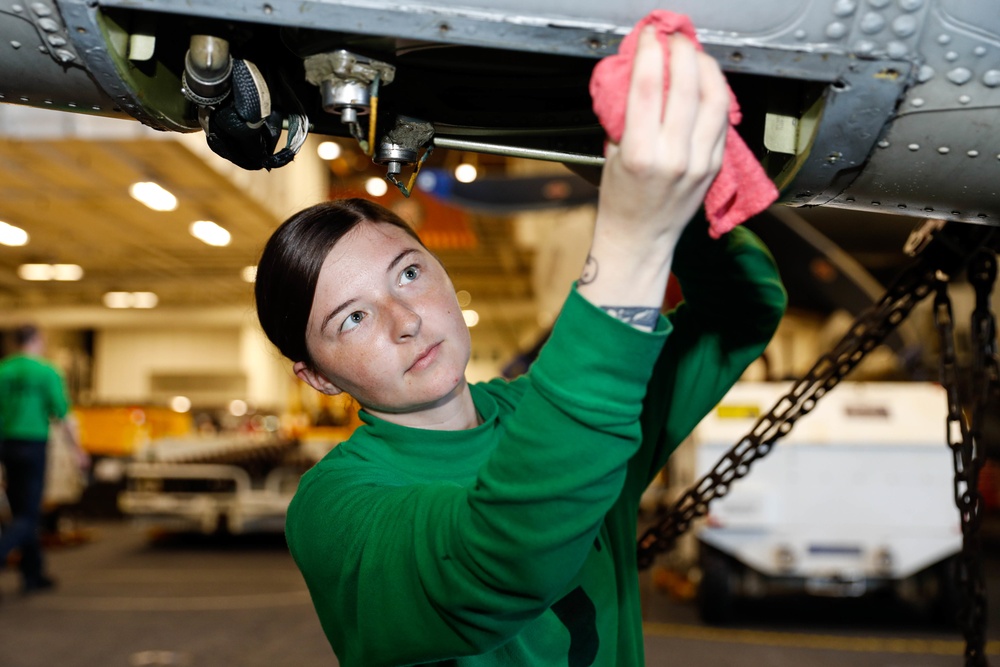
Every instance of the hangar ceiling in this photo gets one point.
(67, 185)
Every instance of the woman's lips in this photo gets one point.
(425, 358)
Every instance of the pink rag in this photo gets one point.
(741, 189)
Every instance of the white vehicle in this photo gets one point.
(238, 483)
(857, 497)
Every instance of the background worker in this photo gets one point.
(32, 395)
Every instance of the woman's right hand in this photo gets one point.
(670, 150)
(656, 178)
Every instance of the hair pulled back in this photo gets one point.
(290, 263)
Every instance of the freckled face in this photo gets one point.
(385, 325)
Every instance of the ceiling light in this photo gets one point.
(471, 318)
(180, 403)
(376, 187)
(130, 300)
(328, 150)
(118, 299)
(67, 272)
(464, 298)
(64, 272)
(11, 235)
(153, 195)
(238, 408)
(144, 300)
(35, 272)
(465, 173)
(210, 233)
(249, 274)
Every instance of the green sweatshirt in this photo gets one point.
(31, 393)
(513, 543)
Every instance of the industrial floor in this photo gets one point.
(130, 597)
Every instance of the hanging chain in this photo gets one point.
(946, 251)
(965, 441)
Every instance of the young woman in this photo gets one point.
(495, 524)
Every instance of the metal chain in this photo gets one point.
(965, 441)
(948, 250)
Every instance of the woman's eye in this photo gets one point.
(353, 320)
(409, 274)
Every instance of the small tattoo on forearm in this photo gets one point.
(589, 271)
(637, 316)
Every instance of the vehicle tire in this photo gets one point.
(947, 602)
(717, 591)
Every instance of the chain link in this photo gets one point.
(947, 251)
(944, 250)
(965, 441)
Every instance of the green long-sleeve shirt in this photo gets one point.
(513, 543)
(32, 392)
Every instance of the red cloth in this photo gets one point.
(741, 189)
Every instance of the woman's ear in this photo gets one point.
(315, 379)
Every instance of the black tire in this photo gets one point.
(948, 598)
(717, 595)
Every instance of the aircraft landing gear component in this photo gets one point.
(349, 86)
(234, 107)
(208, 68)
(401, 146)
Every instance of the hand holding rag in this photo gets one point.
(741, 189)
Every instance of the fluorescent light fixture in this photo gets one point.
(40, 272)
(376, 187)
(130, 300)
(328, 150)
(210, 233)
(249, 274)
(69, 272)
(11, 235)
(153, 195)
(144, 300)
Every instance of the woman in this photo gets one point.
(495, 524)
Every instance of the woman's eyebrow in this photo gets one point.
(399, 258)
(395, 261)
(333, 313)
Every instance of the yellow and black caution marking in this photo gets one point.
(840, 643)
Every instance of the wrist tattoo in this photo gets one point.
(637, 316)
(589, 272)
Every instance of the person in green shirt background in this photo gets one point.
(494, 524)
(32, 397)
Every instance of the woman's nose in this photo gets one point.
(406, 322)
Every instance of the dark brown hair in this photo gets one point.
(292, 258)
(25, 333)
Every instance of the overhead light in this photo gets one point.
(376, 187)
(238, 408)
(328, 150)
(180, 403)
(153, 195)
(11, 235)
(471, 318)
(466, 173)
(67, 272)
(464, 298)
(249, 274)
(130, 300)
(39, 272)
(210, 233)
(144, 300)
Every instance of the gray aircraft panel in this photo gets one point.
(836, 92)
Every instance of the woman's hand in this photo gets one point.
(656, 178)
